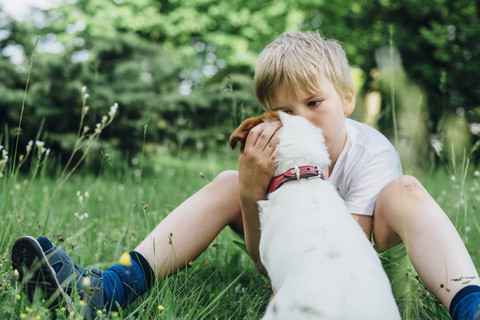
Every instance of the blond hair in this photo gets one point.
(295, 61)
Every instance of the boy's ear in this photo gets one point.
(349, 102)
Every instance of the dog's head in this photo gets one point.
(300, 142)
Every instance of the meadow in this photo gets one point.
(134, 53)
(107, 206)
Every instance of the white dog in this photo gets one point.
(319, 260)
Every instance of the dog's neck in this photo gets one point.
(286, 162)
(295, 173)
(300, 145)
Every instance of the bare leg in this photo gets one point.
(188, 230)
(406, 212)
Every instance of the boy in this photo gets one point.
(305, 75)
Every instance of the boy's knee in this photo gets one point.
(404, 188)
(410, 185)
(395, 203)
(227, 178)
(399, 197)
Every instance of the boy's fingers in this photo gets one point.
(253, 136)
(271, 147)
(267, 139)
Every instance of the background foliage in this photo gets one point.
(184, 69)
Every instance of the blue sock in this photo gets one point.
(123, 284)
(465, 304)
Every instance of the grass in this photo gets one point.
(98, 217)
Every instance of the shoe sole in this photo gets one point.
(36, 273)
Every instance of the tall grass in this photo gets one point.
(97, 218)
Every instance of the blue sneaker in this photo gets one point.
(48, 271)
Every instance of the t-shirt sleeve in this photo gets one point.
(368, 181)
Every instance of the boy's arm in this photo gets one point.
(256, 166)
(365, 223)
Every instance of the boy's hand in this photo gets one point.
(256, 167)
(257, 161)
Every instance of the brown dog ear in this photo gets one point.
(241, 133)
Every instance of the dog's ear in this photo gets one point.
(241, 133)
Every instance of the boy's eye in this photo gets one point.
(314, 103)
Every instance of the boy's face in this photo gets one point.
(324, 108)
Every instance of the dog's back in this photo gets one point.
(320, 262)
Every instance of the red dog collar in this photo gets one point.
(295, 173)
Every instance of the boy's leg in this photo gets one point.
(188, 230)
(405, 212)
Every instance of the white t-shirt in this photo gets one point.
(366, 164)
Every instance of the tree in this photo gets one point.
(185, 67)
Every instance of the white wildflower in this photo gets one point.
(104, 119)
(476, 173)
(39, 143)
(475, 128)
(453, 178)
(86, 284)
(29, 146)
(86, 194)
(82, 216)
(3, 161)
(113, 110)
(84, 89)
(436, 144)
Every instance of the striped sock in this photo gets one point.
(123, 284)
(465, 303)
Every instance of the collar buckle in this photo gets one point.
(296, 171)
